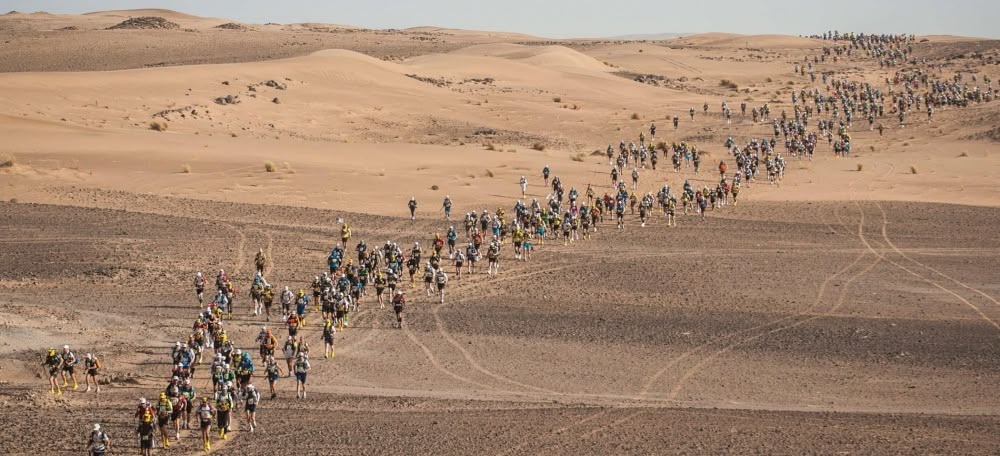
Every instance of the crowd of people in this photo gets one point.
(359, 274)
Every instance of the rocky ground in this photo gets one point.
(773, 328)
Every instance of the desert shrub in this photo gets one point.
(158, 126)
(913, 169)
(635, 116)
(577, 157)
(186, 169)
(537, 146)
(269, 167)
(557, 99)
(860, 167)
(435, 187)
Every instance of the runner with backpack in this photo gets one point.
(205, 415)
(250, 400)
(98, 442)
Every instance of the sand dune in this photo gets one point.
(727, 40)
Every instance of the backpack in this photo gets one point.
(147, 414)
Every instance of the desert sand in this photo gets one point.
(852, 309)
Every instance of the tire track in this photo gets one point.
(888, 241)
(472, 362)
(885, 236)
(924, 279)
(840, 301)
(429, 354)
(819, 298)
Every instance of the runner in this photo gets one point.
(199, 288)
(260, 260)
(69, 362)
(54, 362)
(446, 207)
(250, 400)
(302, 368)
(164, 411)
(224, 404)
(205, 415)
(329, 332)
(398, 302)
(412, 205)
(98, 442)
(441, 279)
(273, 372)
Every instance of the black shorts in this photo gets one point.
(251, 407)
(341, 313)
(162, 421)
(53, 372)
(458, 264)
(206, 424)
(379, 290)
(69, 369)
(440, 286)
(176, 415)
(301, 377)
(92, 372)
(146, 441)
(328, 339)
(199, 290)
(428, 280)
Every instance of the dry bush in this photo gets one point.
(537, 146)
(635, 116)
(269, 167)
(557, 99)
(186, 169)
(576, 108)
(158, 126)
(435, 187)
(288, 168)
(577, 157)
(489, 173)
(963, 154)
(871, 148)
(490, 146)
(913, 169)
(860, 167)
(662, 146)
(728, 84)
(7, 161)
(513, 151)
